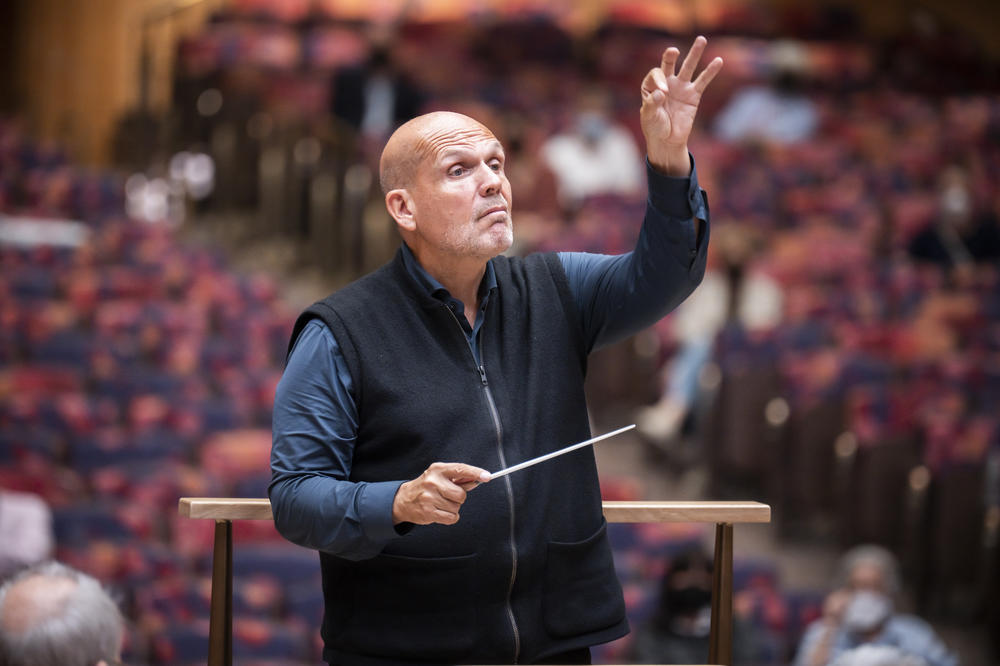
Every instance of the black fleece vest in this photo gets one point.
(528, 567)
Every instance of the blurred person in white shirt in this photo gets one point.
(595, 156)
(26, 535)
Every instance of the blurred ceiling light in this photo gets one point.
(919, 478)
(195, 172)
(846, 444)
(777, 411)
(307, 151)
(146, 199)
(209, 102)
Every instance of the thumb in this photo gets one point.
(460, 473)
(652, 101)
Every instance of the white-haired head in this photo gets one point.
(870, 557)
(54, 615)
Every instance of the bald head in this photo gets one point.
(420, 138)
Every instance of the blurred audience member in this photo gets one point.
(734, 291)
(375, 97)
(595, 155)
(877, 655)
(52, 615)
(679, 631)
(861, 611)
(778, 112)
(25, 531)
(961, 236)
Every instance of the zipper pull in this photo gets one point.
(482, 375)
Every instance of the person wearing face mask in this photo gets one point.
(594, 156)
(861, 611)
(678, 632)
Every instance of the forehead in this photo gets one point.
(442, 138)
(867, 573)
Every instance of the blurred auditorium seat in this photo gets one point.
(739, 440)
(874, 493)
(955, 541)
(808, 465)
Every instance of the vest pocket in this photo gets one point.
(413, 608)
(581, 593)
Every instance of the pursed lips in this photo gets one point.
(494, 209)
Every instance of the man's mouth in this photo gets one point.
(494, 209)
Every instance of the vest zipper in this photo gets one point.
(495, 415)
(510, 503)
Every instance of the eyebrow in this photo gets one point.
(453, 153)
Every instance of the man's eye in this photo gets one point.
(496, 166)
(456, 171)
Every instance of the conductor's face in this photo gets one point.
(457, 197)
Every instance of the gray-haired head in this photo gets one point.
(54, 615)
(871, 555)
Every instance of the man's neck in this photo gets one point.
(461, 276)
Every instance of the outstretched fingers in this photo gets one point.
(669, 60)
(691, 59)
(707, 75)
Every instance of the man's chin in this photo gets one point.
(504, 240)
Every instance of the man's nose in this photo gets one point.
(491, 181)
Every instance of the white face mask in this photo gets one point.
(956, 202)
(697, 626)
(866, 611)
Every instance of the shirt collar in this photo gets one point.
(434, 288)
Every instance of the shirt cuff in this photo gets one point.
(678, 198)
(375, 510)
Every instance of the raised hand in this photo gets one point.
(436, 495)
(669, 104)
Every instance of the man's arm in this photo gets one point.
(314, 429)
(620, 295)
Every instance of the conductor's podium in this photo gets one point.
(724, 514)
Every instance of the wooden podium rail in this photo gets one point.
(724, 514)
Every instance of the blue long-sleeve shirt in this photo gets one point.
(315, 421)
(907, 633)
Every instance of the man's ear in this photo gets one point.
(399, 203)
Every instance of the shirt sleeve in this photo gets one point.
(313, 435)
(620, 295)
(913, 635)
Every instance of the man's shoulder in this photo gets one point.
(532, 266)
(910, 624)
(360, 289)
(350, 303)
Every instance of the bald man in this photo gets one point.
(402, 389)
(53, 615)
